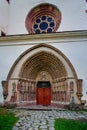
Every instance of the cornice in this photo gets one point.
(58, 37)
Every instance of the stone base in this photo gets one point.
(33, 105)
(73, 106)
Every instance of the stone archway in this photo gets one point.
(42, 63)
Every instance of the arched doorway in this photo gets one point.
(39, 65)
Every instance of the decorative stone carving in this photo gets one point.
(14, 87)
(44, 76)
(14, 93)
(5, 89)
(79, 85)
(71, 87)
(19, 86)
(79, 88)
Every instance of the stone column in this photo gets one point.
(14, 92)
(79, 88)
(19, 90)
(53, 91)
(5, 89)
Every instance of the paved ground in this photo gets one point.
(44, 120)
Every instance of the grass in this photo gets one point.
(85, 110)
(7, 119)
(64, 124)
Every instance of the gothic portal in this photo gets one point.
(42, 74)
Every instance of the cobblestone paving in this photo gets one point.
(43, 120)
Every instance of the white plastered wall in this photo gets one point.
(4, 16)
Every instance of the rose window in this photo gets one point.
(44, 18)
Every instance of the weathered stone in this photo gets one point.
(17, 124)
(43, 126)
(15, 128)
(43, 119)
(51, 128)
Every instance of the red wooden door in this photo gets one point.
(43, 96)
(39, 97)
(47, 96)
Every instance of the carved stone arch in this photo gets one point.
(43, 61)
(43, 49)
